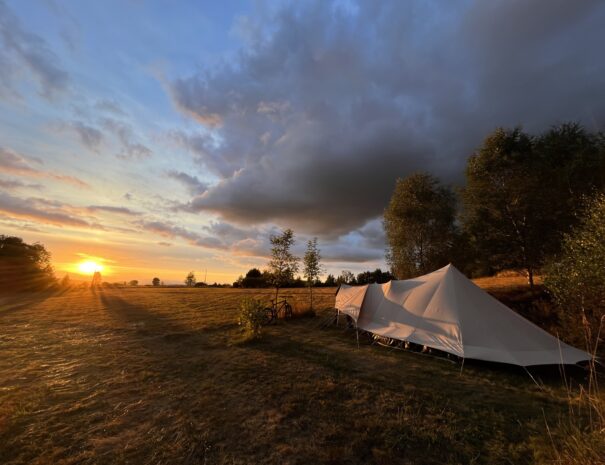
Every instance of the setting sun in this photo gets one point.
(89, 267)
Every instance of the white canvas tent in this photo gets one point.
(446, 311)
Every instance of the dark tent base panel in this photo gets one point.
(579, 372)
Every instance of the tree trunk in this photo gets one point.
(276, 294)
(311, 291)
(530, 278)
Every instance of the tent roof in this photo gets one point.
(447, 311)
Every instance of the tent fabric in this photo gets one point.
(445, 310)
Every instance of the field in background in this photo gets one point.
(161, 376)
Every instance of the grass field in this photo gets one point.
(161, 376)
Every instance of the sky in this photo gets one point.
(159, 137)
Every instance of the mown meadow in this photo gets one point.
(162, 375)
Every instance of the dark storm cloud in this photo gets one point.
(23, 50)
(325, 106)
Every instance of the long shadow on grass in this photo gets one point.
(155, 331)
(20, 301)
(135, 316)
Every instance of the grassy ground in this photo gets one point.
(161, 376)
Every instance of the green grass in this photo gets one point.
(162, 376)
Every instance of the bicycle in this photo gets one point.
(278, 307)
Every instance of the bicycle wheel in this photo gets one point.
(287, 311)
(269, 315)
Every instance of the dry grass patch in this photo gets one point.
(157, 376)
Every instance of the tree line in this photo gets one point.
(523, 194)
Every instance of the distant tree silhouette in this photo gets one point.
(133, 283)
(377, 276)
(96, 279)
(24, 267)
(155, 281)
(66, 282)
(190, 279)
(254, 279)
(330, 281)
(346, 277)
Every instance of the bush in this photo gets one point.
(577, 279)
(251, 317)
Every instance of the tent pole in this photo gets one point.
(357, 332)
(462, 366)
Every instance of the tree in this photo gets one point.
(155, 281)
(97, 280)
(66, 282)
(522, 193)
(24, 267)
(346, 277)
(283, 264)
(576, 279)
(133, 283)
(312, 267)
(419, 226)
(330, 281)
(254, 279)
(376, 276)
(190, 279)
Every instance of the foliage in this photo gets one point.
(65, 282)
(346, 277)
(283, 264)
(419, 226)
(522, 193)
(251, 317)
(330, 281)
(133, 283)
(155, 281)
(376, 276)
(256, 279)
(576, 279)
(24, 267)
(190, 279)
(312, 266)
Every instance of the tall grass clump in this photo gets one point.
(251, 318)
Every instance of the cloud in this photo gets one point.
(125, 134)
(14, 163)
(11, 184)
(21, 50)
(217, 235)
(89, 136)
(110, 106)
(112, 209)
(324, 107)
(192, 183)
(38, 210)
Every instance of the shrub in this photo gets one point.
(251, 317)
(577, 279)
